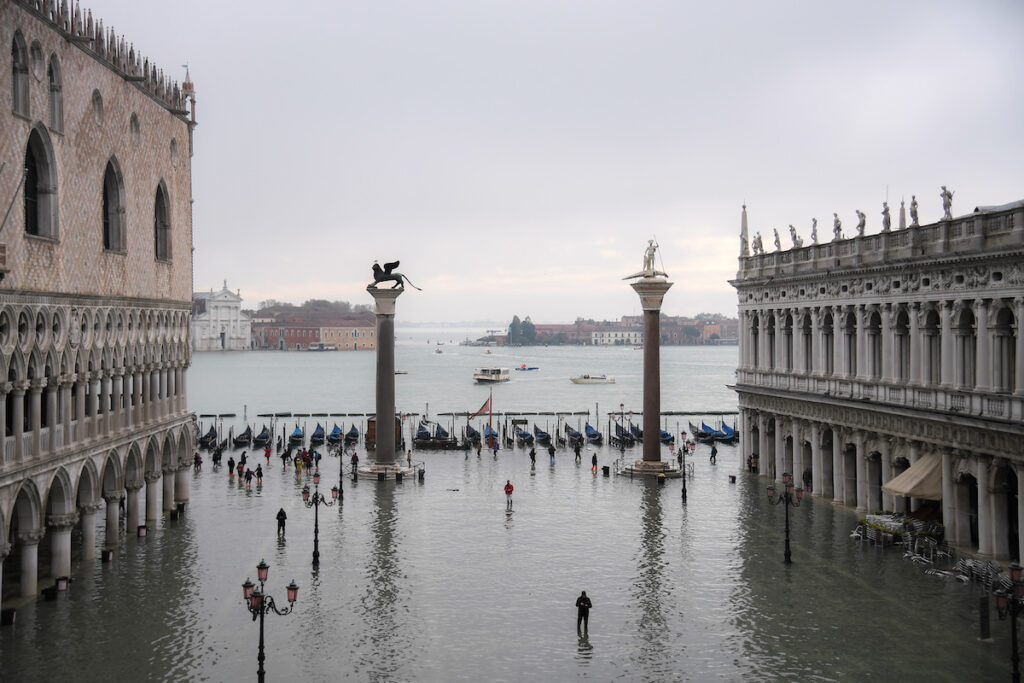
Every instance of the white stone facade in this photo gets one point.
(617, 337)
(859, 356)
(218, 323)
(96, 289)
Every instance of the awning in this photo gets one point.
(923, 479)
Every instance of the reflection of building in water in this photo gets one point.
(649, 591)
(97, 277)
(864, 357)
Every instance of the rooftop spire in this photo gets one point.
(744, 243)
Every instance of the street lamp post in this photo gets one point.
(259, 603)
(788, 500)
(1012, 604)
(315, 501)
(622, 442)
(682, 466)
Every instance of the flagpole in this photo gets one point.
(490, 413)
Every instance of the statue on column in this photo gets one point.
(861, 220)
(947, 203)
(886, 219)
(913, 211)
(814, 231)
(778, 244)
(389, 274)
(649, 268)
(797, 242)
(837, 227)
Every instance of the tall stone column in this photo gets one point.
(838, 467)
(915, 341)
(861, 315)
(839, 342)
(887, 340)
(112, 528)
(984, 505)
(108, 415)
(983, 367)
(132, 505)
(94, 404)
(816, 344)
(29, 542)
(798, 453)
(780, 449)
(652, 292)
(117, 414)
(816, 462)
(948, 504)
(5, 550)
(146, 395)
(5, 388)
(744, 343)
(946, 343)
(87, 513)
(385, 302)
(60, 542)
(913, 454)
(181, 485)
(168, 498)
(152, 502)
(886, 457)
(35, 414)
(862, 472)
(17, 395)
(66, 406)
(52, 443)
(762, 444)
(137, 415)
(79, 414)
(1018, 382)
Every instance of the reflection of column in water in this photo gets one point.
(650, 591)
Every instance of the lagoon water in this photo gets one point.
(435, 581)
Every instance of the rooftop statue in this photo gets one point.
(837, 227)
(649, 269)
(913, 211)
(797, 242)
(758, 246)
(947, 203)
(389, 274)
(778, 244)
(814, 231)
(861, 219)
(886, 219)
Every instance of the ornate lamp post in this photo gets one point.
(259, 603)
(788, 500)
(1012, 604)
(315, 501)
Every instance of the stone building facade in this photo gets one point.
(96, 292)
(864, 356)
(218, 323)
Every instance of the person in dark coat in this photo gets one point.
(583, 606)
(281, 517)
(231, 466)
(593, 463)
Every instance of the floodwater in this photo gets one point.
(434, 580)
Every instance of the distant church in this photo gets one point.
(218, 323)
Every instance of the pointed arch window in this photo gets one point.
(162, 224)
(19, 73)
(40, 188)
(113, 208)
(56, 101)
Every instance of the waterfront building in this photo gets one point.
(865, 356)
(218, 323)
(356, 331)
(96, 286)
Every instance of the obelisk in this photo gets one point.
(385, 304)
(651, 286)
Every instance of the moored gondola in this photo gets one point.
(209, 440)
(543, 438)
(352, 435)
(296, 437)
(243, 440)
(317, 437)
(261, 439)
(593, 436)
(335, 435)
(472, 435)
(623, 437)
(573, 436)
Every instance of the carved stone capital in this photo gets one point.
(89, 509)
(152, 477)
(114, 497)
(20, 386)
(133, 485)
(37, 384)
(30, 537)
(63, 522)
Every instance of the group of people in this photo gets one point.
(244, 473)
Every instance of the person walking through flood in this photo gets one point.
(241, 470)
(242, 459)
(259, 475)
(714, 454)
(593, 463)
(508, 494)
(231, 467)
(583, 607)
(248, 479)
(576, 449)
(533, 455)
(281, 517)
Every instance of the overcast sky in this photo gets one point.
(516, 156)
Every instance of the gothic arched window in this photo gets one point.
(162, 224)
(40, 188)
(19, 73)
(56, 96)
(113, 208)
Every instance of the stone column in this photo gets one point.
(94, 404)
(780, 340)
(983, 367)
(52, 443)
(106, 382)
(886, 456)
(1018, 382)
(946, 343)
(744, 342)
(5, 550)
(838, 475)
(181, 485)
(762, 444)
(5, 389)
(112, 529)
(132, 506)
(145, 402)
(914, 339)
(913, 454)
(885, 312)
(948, 504)
(60, 542)
(763, 361)
(82, 426)
(652, 292)
(29, 542)
(816, 343)
(117, 414)
(168, 478)
(152, 503)
(385, 303)
(839, 341)
(137, 415)
(18, 417)
(780, 447)
(35, 393)
(183, 388)
(816, 463)
(861, 316)
(859, 441)
(984, 505)
(66, 402)
(798, 453)
(88, 517)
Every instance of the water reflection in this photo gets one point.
(650, 591)
(584, 650)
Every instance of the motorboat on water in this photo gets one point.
(592, 379)
(492, 375)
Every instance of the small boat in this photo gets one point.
(438, 350)
(730, 434)
(491, 375)
(490, 434)
(592, 379)
(487, 352)
(401, 372)
(431, 435)
(573, 436)
(472, 435)
(296, 437)
(636, 432)
(335, 435)
(209, 439)
(623, 436)
(352, 435)
(523, 368)
(666, 437)
(593, 436)
(243, 439)
(523, 437)
(317, 437)
(543, 438)
(261, 439)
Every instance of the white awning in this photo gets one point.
(923, 479)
